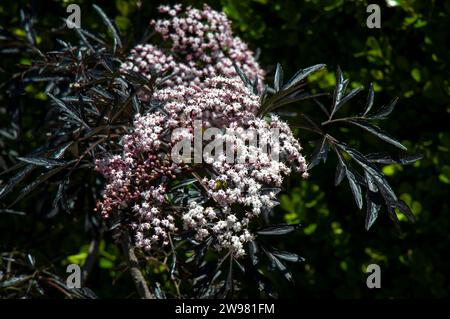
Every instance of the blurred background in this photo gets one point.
(408, 57)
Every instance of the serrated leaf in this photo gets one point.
(12, 211)
(102, 92)
(31, 260)
(374, 171)
(255, 85)
(136, 77)
(295, 97)
(59, 153)
(240, 266)
(77, 99)
(136, 104)
(373, 207)
(386, 158)
(83, 38)
(377, 132)
(108, 23)
(13, 168)
(322, 107)
(340, 173)
(64, 108)
(369, 101)
(92, 36)
(320, 153)
(42, 178)
(281, 267)
(404, 208)
(371, 184)
(384, 111)
(278, 79)
(13, 181)
(59, 194)
(339, 91)
(165, 78)
(253, 251)
(42, 161)
(243, 77)
(303, 74)
(280, 229)
(347, 97)
(288, 256)
(88, 293)
(393, 216)
(183, 184)
(355, 188)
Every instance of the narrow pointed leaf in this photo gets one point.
(16, 179)
(102, 92)
(243, 77)
(374, 171)
(278, 80)
(303, 74)
(42, 161)
(349, 96)
(378, 132)
(355, 188)
(83, 39)
(340, 173)
(322, 107)
(393, 216)
(108, 23)
(372, 210)
(320, 153)
(253, 251)
(65, 109)
(371, 184)
(370, 98)
(281, 267)
(384, 111)
(386, 158)
(255, 85)
(339, 91)
(280, 229)
(29, 188)
(404, 208)
(288, 256)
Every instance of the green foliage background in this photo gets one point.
(408, 57)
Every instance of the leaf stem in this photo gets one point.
(343, 119)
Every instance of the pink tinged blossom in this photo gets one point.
(205, 35)
(211, 92)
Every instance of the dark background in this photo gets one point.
(408, 57)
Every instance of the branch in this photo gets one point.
(92, 256)
(133, 263)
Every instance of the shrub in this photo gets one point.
(208, 223)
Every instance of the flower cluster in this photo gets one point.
(140, 176)
(133, 178)
(242, 181)
(205, 89)
(230, 231)
(201, 46)
(219, 102)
